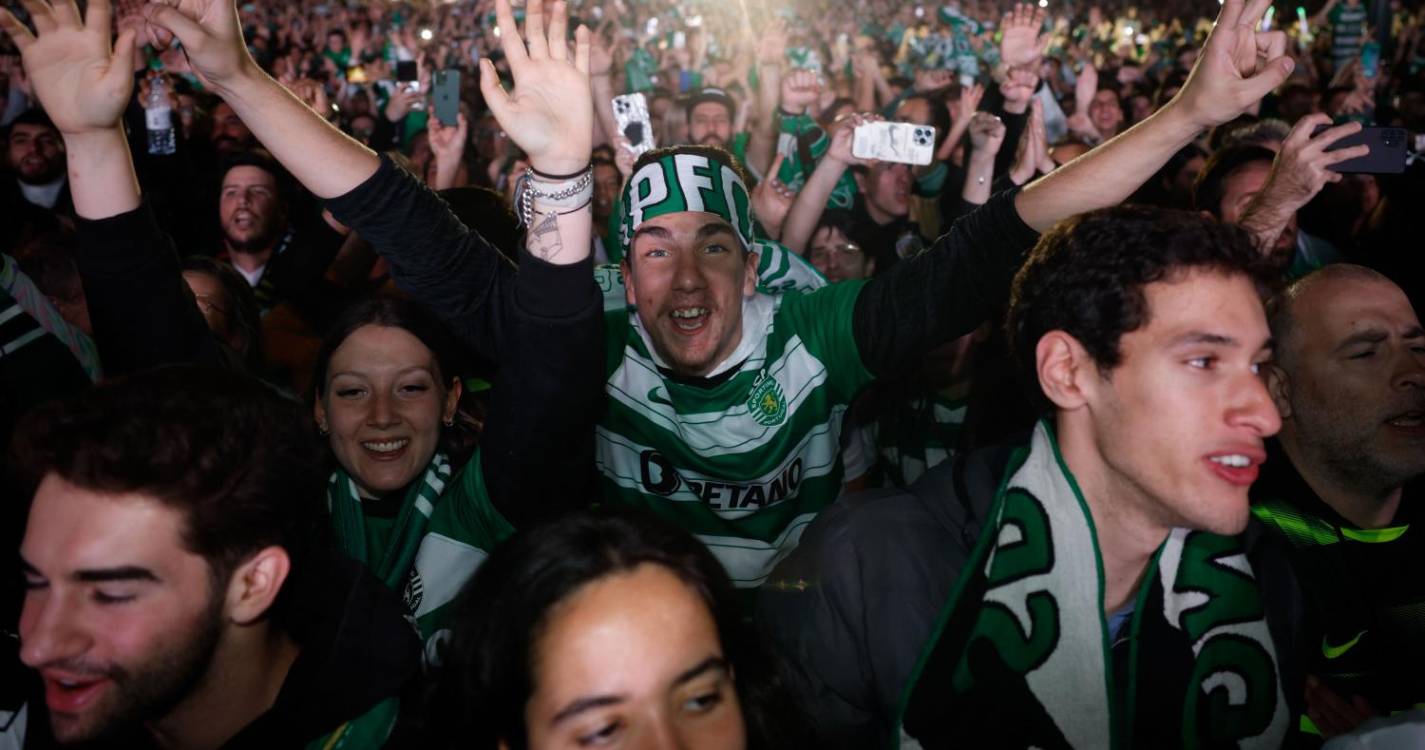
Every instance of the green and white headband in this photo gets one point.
(678, 182)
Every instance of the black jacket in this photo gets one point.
(852, 608)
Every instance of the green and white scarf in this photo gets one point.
(393, 566)
(1020, 655)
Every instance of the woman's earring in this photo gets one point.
(322, 430)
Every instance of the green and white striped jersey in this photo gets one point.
(747, 463)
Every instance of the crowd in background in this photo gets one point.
(185, 262)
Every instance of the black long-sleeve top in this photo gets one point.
(144, 315)
(899, 316)
(541, 324)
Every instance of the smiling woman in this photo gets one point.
(386, 394)
(608, 630)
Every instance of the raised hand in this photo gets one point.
(800, 90)
(1018, 88)
(1239, 65)
(986, 133)
(841, 143)
(772, 47)
(211, 35)
(447, 143)
(772, 199)
(82, 83)
(1302, 168)
(624, 158)
(968, 104)
(1033, 148)
(1021, 43)
(550, 113)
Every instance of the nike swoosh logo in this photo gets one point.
(657, 398)
(1335, 652)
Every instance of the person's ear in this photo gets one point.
(319, 413)
(749, 273)
(1279, 386)
(624, 268)
(1064, 368)
(452, 400)
(255, 584)
(860, 182)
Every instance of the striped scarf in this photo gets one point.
(1022, 650)
(393, 566)
(17, 328)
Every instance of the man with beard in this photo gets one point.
(229, 134)
(282, 260)
(724, 403)
(1262, 191)
(34, 197)
(178, 591)
(1344, 486)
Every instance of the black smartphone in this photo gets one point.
(445, 89)
(406, 71)
(1387, 156)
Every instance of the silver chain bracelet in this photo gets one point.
(573, 195)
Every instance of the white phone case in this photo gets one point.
(631, 113)
(903, 142)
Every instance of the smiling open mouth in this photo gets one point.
(690, 319)
(385, 446)
(1409, 420)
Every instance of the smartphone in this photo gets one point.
(1387, 156)
(903, 142)
(1370, 59)
(445, 90)
(631, 113)
(406, 71)
(356, 74)
(680, 40)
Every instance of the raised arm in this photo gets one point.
(810, 202)
(321, 157)
(84, 85)
(1238, 66)
(771, 56)
(1302, 168)
(142, 310)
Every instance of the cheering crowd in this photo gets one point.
(380, 375)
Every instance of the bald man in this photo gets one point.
(1345, 486)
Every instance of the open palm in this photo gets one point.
(1021, 43)
(82, 82)
(550, 113)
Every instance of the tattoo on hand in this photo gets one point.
(544, 240)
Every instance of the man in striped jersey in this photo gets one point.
(725, 403)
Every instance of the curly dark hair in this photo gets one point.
(1087, 275)
(235, 457)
